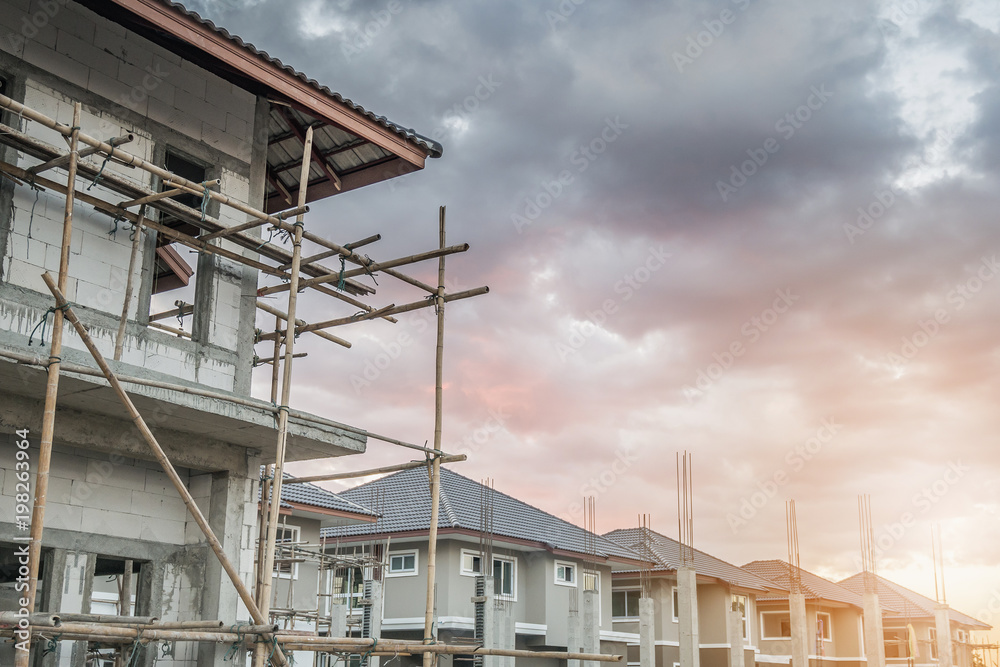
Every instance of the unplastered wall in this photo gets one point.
(107, 495)
(126, 84)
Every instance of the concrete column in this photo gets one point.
(338, 620)
(687, 617)
(573, 627)
(591, 630)
(801, 636)
(943, 627)
(647, 633)
(228, 504)
(376, 616)
(874, 639)
(735, 632)
(490, 631)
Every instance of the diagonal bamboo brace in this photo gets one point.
(161, 457)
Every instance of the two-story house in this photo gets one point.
(545, 571)
(911, 630)
(834, 618)
(721, 587)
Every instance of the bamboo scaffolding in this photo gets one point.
(157, 196)
(41, 619)
(64, 159)
(297, 641)
(267, 308)
(387, 310)
(330, 253)
(158, 453)
(51, 389)
(436, 463)
(286, 387)
(182, 309)
(129, 283)
(373, 471)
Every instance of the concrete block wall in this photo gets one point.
(126, 84)
(105, 495)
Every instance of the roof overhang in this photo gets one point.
(353, 148)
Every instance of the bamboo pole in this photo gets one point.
(40, 619)
(330, 253)
(286, 389)
(369, 267)
(51, 388)
(372, 471)
(436, 463)
(267, 308)
(161, 457)
(64, 159)
(182, 309)
(388, 310)
(129, 283)
(170, 329)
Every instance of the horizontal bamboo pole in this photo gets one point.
(111, 181)
(370, 267)
(183, 309)
(171, 330)
(270, 360)
(40, 619)
(267, 308)
(172, 234)
(107, 619)
(330, 253)
(299, 642)
(373, 471)
(161, 457)
(388, 310)
(86, 152)
(149, 199)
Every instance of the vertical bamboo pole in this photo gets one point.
(129, 283)
(436, 464)
(265, 486)
(278, 658)
(51, 388)
(286, 387)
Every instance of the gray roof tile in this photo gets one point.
(404, 502)
(667, 553)
(814, 586)
(906, 602)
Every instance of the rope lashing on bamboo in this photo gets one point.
(44, 324)
(234, 649)
(51, 645)
(364, 658)
(113, 232)
(135, 646)
(205, 197)
(368, 263)
(340, 278)
(100, 171)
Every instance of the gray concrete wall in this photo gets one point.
(126, 84)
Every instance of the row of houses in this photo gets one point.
(543, 568)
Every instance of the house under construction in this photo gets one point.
(155, 180)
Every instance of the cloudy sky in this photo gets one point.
(757, 231)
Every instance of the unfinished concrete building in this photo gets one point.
(142, 152)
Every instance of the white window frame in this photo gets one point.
(562, 582)
(348, 597)
(293, 572)
(934, 648)
(626, 590)
(746, 616)
(513, 576)
(675, 603)
(763, 625)
(465, 572)
(827, 626)
(403, 573)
